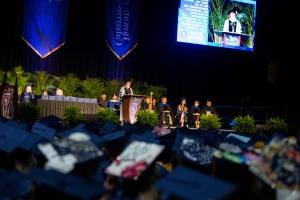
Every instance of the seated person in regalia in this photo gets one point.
(165, 112)
(59, 92)
(103, 101)
(195, 113)
(149, 104)
(182, 112)
(27, 96)
(114, 104)
(209, 109)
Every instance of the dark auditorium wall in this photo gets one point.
(187, 70)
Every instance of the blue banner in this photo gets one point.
(44, 25)
(122, 26)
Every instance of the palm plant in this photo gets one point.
(106, 115)
(218, 15)
(70, 84)
(245, 124)
(147, 118)
(42, 80)
(112, 86)
(1, 76)
(72, 116)
(29, 112)
(277, 125)
(209, 122)
(158, 91)
(23, 78)
(92, 87)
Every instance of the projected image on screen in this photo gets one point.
(222, 23)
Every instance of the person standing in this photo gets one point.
(232, 25)
(125, 90)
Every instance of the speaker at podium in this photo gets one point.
(230, 38)
(131, 104)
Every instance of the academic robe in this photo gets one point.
(165, 118)
(210, 109)
(27, 97)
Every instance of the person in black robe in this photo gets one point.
(165, 112)
(27, 96)
(195, 112)
(209, 109)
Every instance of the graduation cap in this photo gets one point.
(63, 186)
(147, 136)
(134, 160)
(13, 185)
(180, 137)
(81, 128)
(65, 154)
(184, 183)
(195, 150)
(50, 121)
(109, 127)
(112, 137)
(43, 130)
(237, 139)
(31, 141)
(11, 137)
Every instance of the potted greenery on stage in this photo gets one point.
(28, 112)
(106, 115)
(72, 116)
(276, 125)
(210, 122)
(244, 124)
(147, 118)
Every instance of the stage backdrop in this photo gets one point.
(44, 25)
(122, 26)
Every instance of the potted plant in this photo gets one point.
(147, 118)
(72, 116)
(276, 125)
(28, 112)
(106, 115)
(210, 122)
(244, 124)
(42, 81)
(70, 84)
(92, 87)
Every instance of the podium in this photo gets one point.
(230, 38)
(131, 104)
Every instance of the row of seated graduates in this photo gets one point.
(182, 116)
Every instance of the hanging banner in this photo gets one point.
(122, 26)
(44, 25)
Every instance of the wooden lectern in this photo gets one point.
(131, 104)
